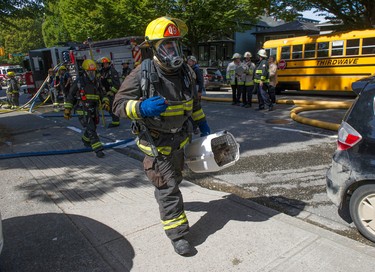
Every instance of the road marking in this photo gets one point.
(306, 132)
(75, 129)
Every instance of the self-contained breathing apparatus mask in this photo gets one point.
(91, 74)
(169, 53)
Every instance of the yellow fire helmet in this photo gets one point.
(62, 67)
(164, 28)
(89, 65)
(11, 74)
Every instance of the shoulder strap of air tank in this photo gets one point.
(150, 82)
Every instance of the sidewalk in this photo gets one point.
(76, 212)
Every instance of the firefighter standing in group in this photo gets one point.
(125, 70)
(13, 91)
(111, 83)
(63, 81)
(233, 76)
(162, 115)
(86, 96)
(261, 80)
(248, 88)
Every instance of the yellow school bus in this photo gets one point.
(329, 62)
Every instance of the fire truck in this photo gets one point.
(72, 55)
(17, 69)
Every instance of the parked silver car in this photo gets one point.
(351, 176)
(213, 78)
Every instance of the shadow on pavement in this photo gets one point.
(54, 242)
(292, 207)
(217, 214)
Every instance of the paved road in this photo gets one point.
(282, 165)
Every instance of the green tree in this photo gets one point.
(211, 19)
(19, 39)
(53, 29)
(11, 9)
(354, 14)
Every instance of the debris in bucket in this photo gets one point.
(221, 153)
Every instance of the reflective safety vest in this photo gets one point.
(249, 73)
(232, 74)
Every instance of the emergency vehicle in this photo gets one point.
(72, 55)
(17, 69)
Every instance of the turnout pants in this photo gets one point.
(237, 91)
(263, 97)
(165, 173)
(13, 99)
(247, 94)
(115, 118)
(90, 138)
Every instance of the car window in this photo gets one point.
(215, 72)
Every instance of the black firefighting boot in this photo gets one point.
(100, 154)
(181, 246)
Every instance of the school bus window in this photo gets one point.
(272, 52)
(310, 50)
(352, 47)
(285, 52)
(337, 48)
(297, 51)
(323, 48)
(368, 46)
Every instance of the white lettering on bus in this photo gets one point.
(337, 62)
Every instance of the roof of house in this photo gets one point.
(291, 26)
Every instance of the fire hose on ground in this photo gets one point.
(302, 105)
(33, 99)
(62, 152)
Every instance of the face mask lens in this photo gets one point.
(169, 52)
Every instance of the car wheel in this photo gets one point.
(362, 210)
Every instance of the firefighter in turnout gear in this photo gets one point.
(248, 80)
(85, 96)
(111, 83)
(160, 97)
(261, 80)
(234, 77)
(13, 91)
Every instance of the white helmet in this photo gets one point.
(236, 56)
(247, 55)
(262, 53)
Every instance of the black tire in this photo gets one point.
(362, 210)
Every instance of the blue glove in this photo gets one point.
(204, 128)
(153, 106)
